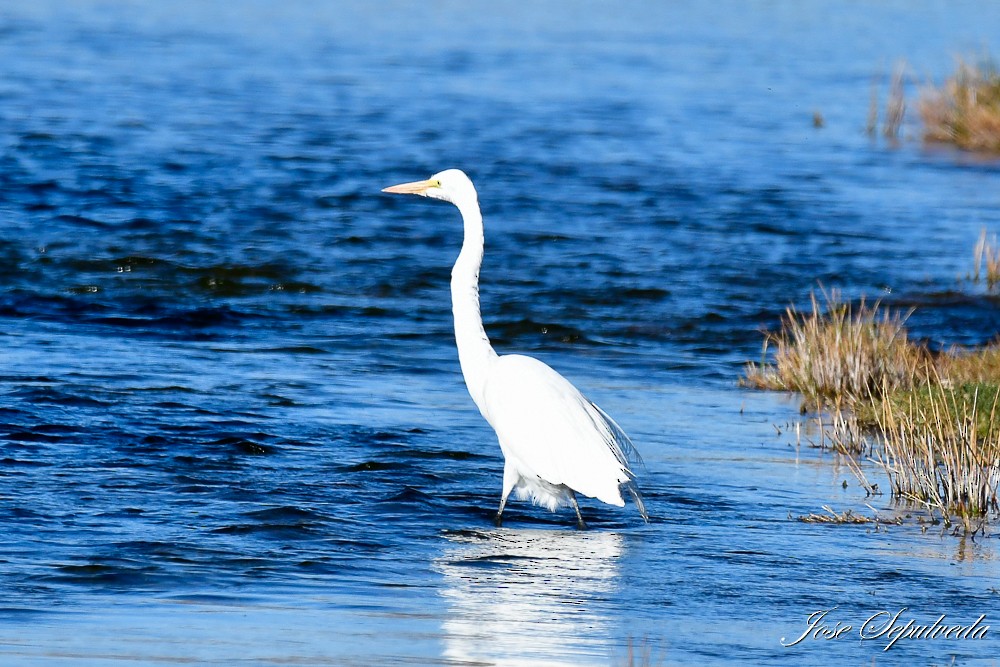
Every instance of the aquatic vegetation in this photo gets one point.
(847, 516)
(986, 264)
(895, 109)
(941, 448)
(965, 111)
(963, 366)
(929, 421)
(836, 355)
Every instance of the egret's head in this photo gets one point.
(450, 185)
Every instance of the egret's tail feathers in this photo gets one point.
(621, 444)
(637, 497)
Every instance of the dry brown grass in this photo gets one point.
(965, 366)
(895, 108)
(837, 355)
(965, 111)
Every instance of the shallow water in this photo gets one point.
(233, 426)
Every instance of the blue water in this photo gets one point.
(233, 429)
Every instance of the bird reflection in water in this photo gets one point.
(530, 597)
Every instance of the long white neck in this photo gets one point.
(474, 350)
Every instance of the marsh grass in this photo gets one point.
(847, 516)
(895, 108)
(965, 366)
(836, 355)
(941, 448)
(965, 111)
(925, 406)
(931, 422)
(986, 262)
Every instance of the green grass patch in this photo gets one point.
(927, 406)
(940, 447)
(931, 421)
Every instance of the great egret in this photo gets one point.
(555, 442)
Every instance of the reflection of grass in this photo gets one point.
(965, 111)
(936, 418)
(987, 261)
(639, 656)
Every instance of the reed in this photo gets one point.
(986, 261)
(895, 110)
(837, 355)
(965, 111)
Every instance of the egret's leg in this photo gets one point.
(579, 517)
(498, 520)
(510, 477)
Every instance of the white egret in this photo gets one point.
(555, 442)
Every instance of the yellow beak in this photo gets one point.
(415, 188)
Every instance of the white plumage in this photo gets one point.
(555, 442)
(550, 432)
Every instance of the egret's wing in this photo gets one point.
(553, 432)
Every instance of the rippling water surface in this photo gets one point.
(233, 427)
